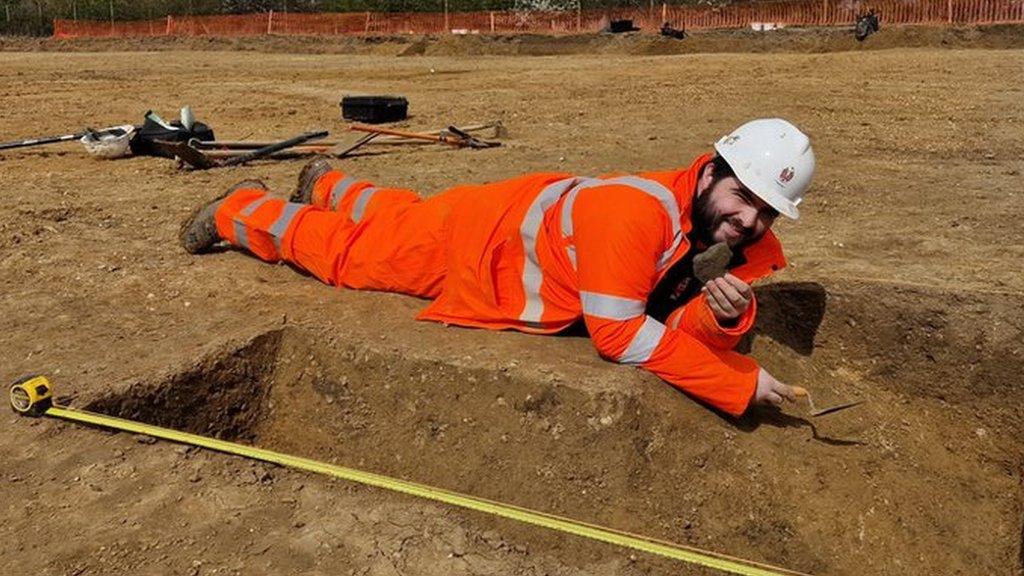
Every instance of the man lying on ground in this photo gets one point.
(539, 252)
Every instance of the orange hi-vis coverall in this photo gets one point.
(534, 253)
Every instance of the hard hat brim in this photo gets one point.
(782, 205)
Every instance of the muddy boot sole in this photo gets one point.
(310, 173)
(198, 232)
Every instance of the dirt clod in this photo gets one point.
(712, 263)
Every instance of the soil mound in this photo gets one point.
(799, 40)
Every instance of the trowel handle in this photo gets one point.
(799, 391)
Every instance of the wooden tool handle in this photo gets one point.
(392, 132)
(440, 137)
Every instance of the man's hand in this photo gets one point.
(728, 296)
(771, 391)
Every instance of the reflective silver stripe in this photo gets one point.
(280, 226)
(663, 194)
(338, 191)
(361, 202)
(644, 343)
(611, 307)
(570, 199)
(241, 236)
(532, 276)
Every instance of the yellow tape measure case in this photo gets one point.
(32, 395)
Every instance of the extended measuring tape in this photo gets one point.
(33, 396)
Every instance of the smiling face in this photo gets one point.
(726, 211)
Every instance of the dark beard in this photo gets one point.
(705, 219)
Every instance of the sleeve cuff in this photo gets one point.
(699, 321)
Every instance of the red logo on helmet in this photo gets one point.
(786, 175)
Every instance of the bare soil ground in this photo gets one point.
(905, 289)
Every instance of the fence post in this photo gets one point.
(492, 21)
(366, 28)
(579, 15)
(167, 31)
(664, 12)
(270, 21)
(949, 11)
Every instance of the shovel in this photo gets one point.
(190, 154)
(815, 412)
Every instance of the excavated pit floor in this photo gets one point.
(926, 474)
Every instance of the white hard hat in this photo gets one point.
(772, 158)
(109, 143)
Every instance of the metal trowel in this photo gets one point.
(802, 392)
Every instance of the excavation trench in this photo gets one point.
(925, 477)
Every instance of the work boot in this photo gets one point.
(310, 173)
(198, 232)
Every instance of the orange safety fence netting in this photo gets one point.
(761, 15)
